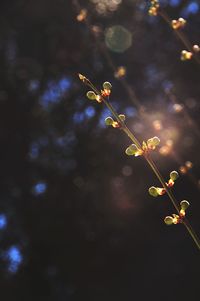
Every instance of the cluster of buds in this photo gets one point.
(151, 144)
(186, 55)
(153, 9)
(104, 93)
(115, 124)
(175, 218)
(156, 191)
(178, 24)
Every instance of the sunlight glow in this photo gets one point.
(105, 6)
(118, 38)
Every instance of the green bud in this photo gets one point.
(144, 145)
(184, 204)
(174, 175)
(153, 142)
(131, 150)
(153, 191)
(122, 117)
(109, 120)
(168, 220)
(156, 141)
(107, 86)
(91, 95)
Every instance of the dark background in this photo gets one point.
(76, 219)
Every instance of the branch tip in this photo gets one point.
(81, 77)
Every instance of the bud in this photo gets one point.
(153, 191)
(98, 98)
(176, 219)
(186, 55)
(184, 204)
(178, 24)
(196, 48)
(150, 143)
(144, 146)
(174, 24)
(170, 183)
(107, 86)
(174, 175)
(105, 92)
(182, 22)
(168, 220)
(153, 11)
(156, 141)
(131, 150)
(109, 120)
(161, 191)
(153, 142)
(91, 95)
(81, 77)
(115, 124)
(182, 213)
(122, 117)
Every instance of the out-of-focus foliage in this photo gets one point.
(76, 219)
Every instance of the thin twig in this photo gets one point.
(147, 157)
(179, 34)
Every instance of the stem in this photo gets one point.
(146, 157)
(123, 126)
(192, 233)
(162, 181)
(173, 200)
(112, 110)
(180, 35)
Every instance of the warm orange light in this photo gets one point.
(120, 72)
(157, 124)
(188, 164)
(183, 169)
(82, 15)
(165, 150)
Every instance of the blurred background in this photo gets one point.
(76, 219)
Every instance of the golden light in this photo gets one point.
(177, 107)
(165, 150)
(183, 169)
(82, 15)
(189, 164)
(170, 133)
(120, 72)
(106, 6)
(157, 124)
(169, 143)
